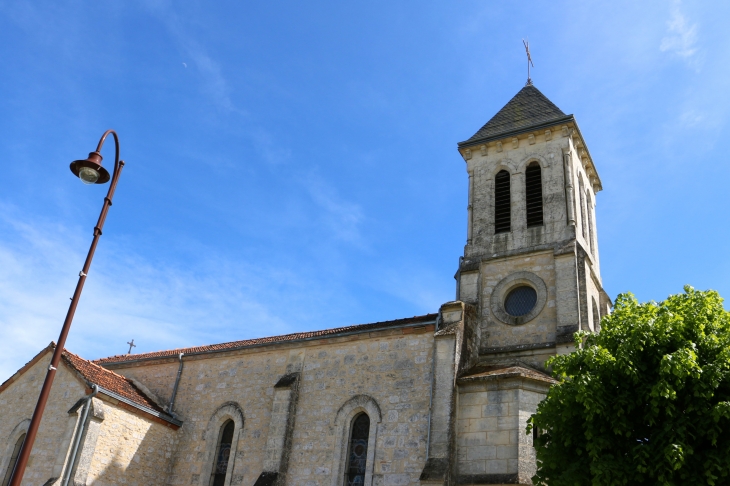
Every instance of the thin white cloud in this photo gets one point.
(418, 285)
(160, 305)
(691, 118)
(681, 38)
(342, 218)
(215, 85)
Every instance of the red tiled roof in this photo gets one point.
(93, 374)
(268, 340)
(107, 379)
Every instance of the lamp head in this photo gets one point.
(90, 170)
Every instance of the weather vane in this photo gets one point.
(131, 345)
(529, 61)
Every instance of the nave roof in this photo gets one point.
(263, 341)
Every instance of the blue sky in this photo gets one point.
(293, 165)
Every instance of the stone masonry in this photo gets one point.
(119, 447)
(446, 395)
(391, 367)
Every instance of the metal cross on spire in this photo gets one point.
(131, 345)
(529, 61)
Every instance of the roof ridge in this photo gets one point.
(103, 370)
(143, 399)
(528, 108)
(260, 340)
(105, 378)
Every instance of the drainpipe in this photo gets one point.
(177, 382)
(77, 438)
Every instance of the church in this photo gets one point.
(437, 399)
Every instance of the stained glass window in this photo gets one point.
(223, 451)
(358, 452)
(13, 459)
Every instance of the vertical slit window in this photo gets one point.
(591, 229)
(583, 220)
(596, 316)
(222, 454)
(13, 459)
(533, 193)
(502, 210)
(358, 451)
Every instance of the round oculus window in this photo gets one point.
(520, 301)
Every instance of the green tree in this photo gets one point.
(645, 401)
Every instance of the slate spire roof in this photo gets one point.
(528, 108)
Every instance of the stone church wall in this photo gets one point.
(391, 367)
(17, 402)
(119, 447)
(157, 378)
(539, 330)
(130, 449)
(491, 437)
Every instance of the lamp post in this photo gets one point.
(89, 171)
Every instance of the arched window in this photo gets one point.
(596, 316)
(591, 229)
(13, 458)
(222, 453)
(502, 211)
(533, 194)
(356, 434)
(357, 454)
(583, 220)
(222, 441)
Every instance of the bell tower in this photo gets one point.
(528, 280)
(531, 262)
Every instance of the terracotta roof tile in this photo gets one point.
(93, 374)
(107, 379)
(268, 340)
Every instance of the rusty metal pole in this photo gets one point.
(95, 161)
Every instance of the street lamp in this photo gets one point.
(90, 171)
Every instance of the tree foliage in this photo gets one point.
(644, 401)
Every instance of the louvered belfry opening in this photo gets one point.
(502, 216)
(533, 193)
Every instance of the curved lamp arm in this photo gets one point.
(93, 162)
(118, 165)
